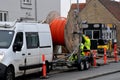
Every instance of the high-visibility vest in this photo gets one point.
(81, 46)
(82, 53)
(87, 43)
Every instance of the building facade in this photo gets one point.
(37, 10)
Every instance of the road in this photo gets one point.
(82, 75)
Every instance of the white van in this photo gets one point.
(21, 48)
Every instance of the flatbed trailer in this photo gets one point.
(82, 62)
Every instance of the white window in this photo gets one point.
(27, 1)
(3, 16)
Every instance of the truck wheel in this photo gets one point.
(87, 65)
(9, 74)
(81, 66)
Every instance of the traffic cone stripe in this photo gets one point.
(44, 66)
(105, 56)
(94, 58)
(115, 53)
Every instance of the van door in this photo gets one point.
(19, 56)
(32, 57)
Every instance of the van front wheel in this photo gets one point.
(9, 74)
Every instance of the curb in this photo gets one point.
(99, 75)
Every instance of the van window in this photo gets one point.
(45, 40)
(6, 37)
(19, 39)
(32, 40)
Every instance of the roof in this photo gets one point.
(81, 6)
(113, 7)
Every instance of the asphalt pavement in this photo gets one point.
(73, 74)
(102, 69)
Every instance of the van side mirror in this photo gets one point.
(17, 46)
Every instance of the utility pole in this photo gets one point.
(78, 6)
(79, 32)
(35, 10)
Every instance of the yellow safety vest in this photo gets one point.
(87, 43)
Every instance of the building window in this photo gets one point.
(88, 33)
(27, 1)
(96, 34)
(3, 16)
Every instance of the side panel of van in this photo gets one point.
(45, 43)
(38, 41)
(45, 46)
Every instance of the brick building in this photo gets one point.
(97, 11)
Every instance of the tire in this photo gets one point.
(81, 66)
(9, 74)
(86, 65)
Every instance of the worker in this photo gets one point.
(86, 51)
(87, 43)
(84, 47)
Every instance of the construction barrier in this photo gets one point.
(115, 53)
(105, 56)
(94, 59)
(44, 72)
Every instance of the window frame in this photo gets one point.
(19, 40)
(95, 34)
(26, 1)
(92, 34)
(3, 15)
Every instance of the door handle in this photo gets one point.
(29, 53)
(23, 54)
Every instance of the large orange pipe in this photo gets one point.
(57, 30)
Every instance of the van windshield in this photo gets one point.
(6, 37)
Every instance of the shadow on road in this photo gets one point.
(29, 76)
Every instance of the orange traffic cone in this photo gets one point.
(44, 74)
(115, 53)
(94, 59)
(105, 56)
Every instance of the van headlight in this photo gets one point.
(1, 55)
